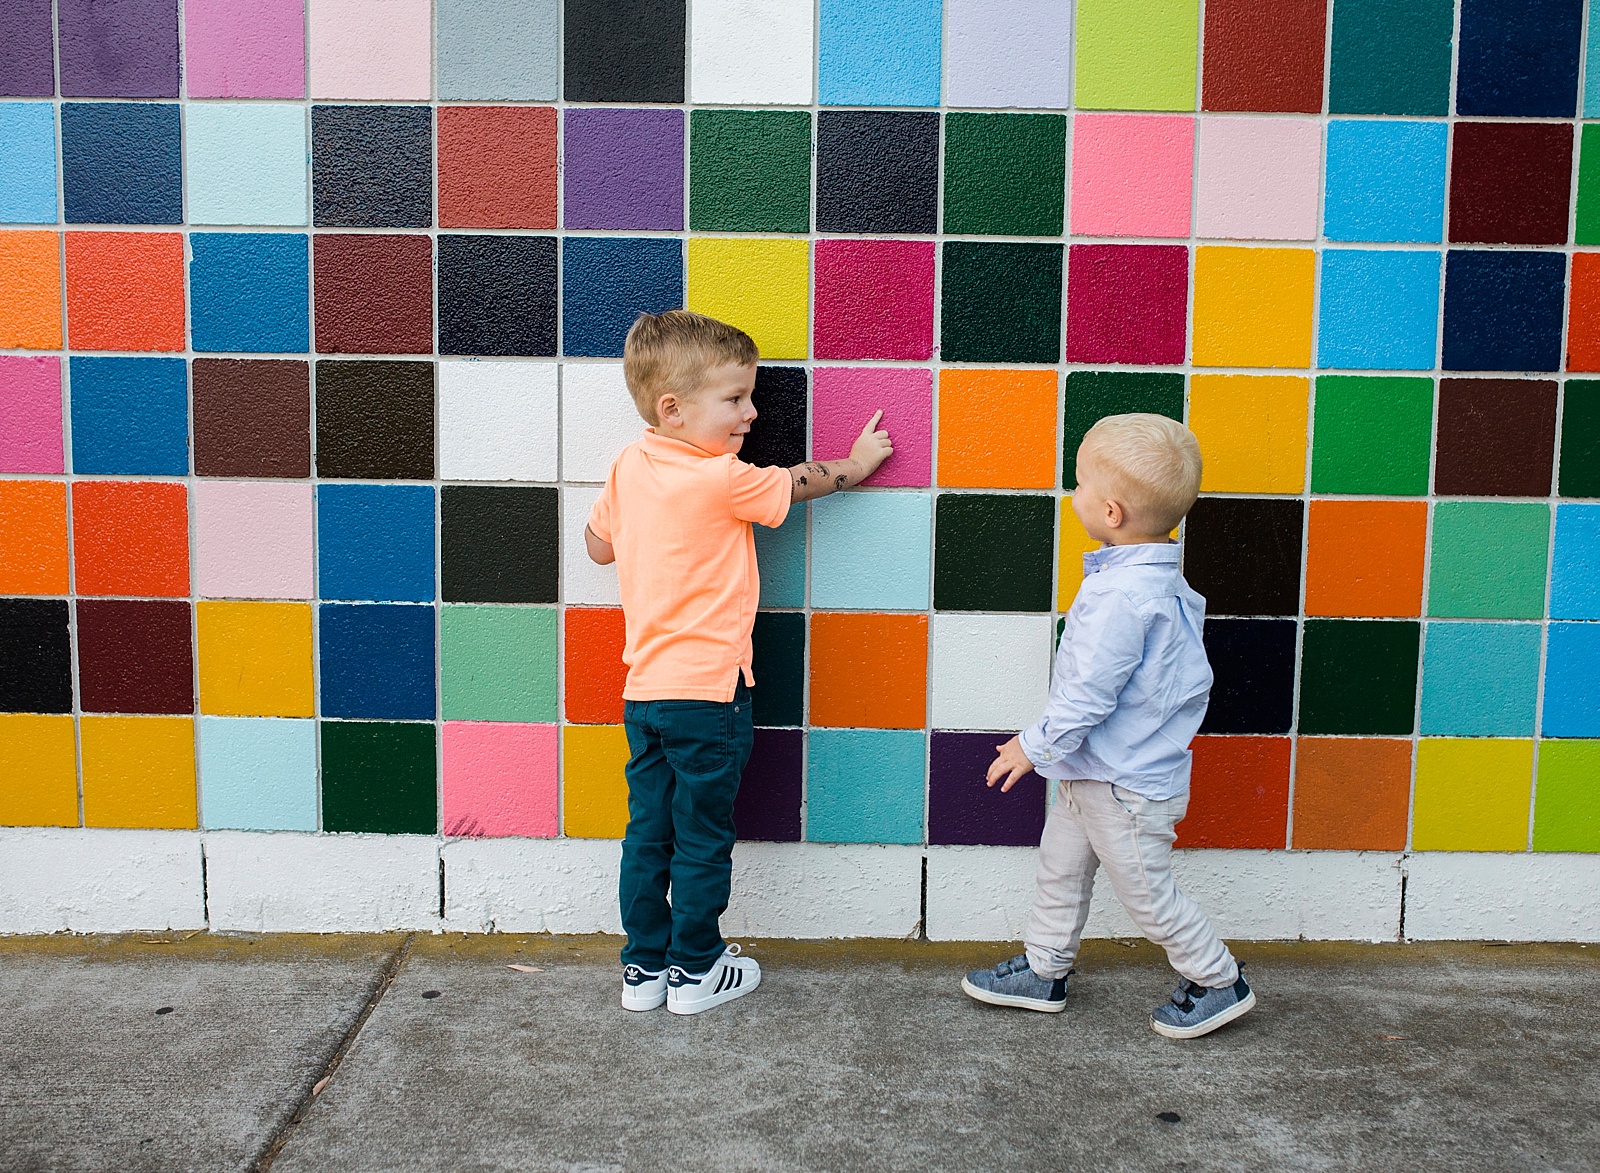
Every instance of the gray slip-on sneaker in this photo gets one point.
(1013, 983)
(1196, 1010)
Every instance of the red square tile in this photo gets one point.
(1239, 795)
(497, 167)
(1351, 793)
(125, 291)
(1510, 182)
(131, 538)
(374, 294)
(1127, 303)
(595, 673)
(874, 299)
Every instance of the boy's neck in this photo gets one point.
(1139, 540)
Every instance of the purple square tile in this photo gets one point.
(624, 169)
(27, 58)
(961, 809)
(768, 804)
(126, 49)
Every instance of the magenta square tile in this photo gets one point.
(962, 809)
(874, 299)
(1127, 303)
(120, 49)
(30, 414)
(499, 780)
(624, 169)
(245, 48)
(843, 400)
(768, 803)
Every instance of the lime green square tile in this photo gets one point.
(1005, 174)
(1136, 54)
(1566, 801)
(1372, 435)
(750, 171)
(1489, 559)
(498, 663)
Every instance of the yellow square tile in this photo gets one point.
(761, 286)
(1472, 794)
(1074, 544)
(138, 772)
(255, 659)
(1252, 431)
(594, 789)
(38, 771)
(1252, 306)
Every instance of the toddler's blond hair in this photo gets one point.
(1152, 464)
(670, 353)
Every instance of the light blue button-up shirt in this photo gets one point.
(1131, 681)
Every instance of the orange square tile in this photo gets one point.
(1365, 557)
(131, 538)
(869, 671)
(125, 290)
(30, 291)
(997, 429)
(594, 669)
(33, 538)
(1351, 793)
(1239, 793)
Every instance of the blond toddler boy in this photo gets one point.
(675, 517)
(1128, 692)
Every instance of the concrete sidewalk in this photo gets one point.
(166, 1052)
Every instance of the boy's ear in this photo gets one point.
(1116, 518)
(667, 408)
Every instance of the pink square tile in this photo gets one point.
(30, 414)
(252, 540)
(245, 48)
(1127, 303)
(499, 779)
(371, 49)
(1131, 174)
(874, 299)
(1258, 178)
(843, 400)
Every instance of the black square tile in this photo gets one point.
(1359, 676)
(623, 50)
(992, 552)
(497, 295)
(1243, 554)
(1252, 661)
(499, 545)
(375, 420)
(372, 166)
(779, 668)
(877, 171)
(35, 656)
(779, 434)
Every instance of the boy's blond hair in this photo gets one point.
(669, 354)
(1152, 464)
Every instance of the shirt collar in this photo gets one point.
(1141, 554)
(667, 446)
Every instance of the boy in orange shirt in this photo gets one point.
(675, 517)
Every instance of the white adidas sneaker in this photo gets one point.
(641, 989)
(731, 977)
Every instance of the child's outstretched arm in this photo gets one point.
(819, 478)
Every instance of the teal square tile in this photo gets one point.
(872, 551)
(781, 558)
(1480, 680)
(865, 785)
(1489, 559)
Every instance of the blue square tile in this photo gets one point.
(1591, 69)
(872, 551)
(375, 542)
(781, 557)
(130, 416)
(879, 52)
(1379, 310)
(1503, 310)
(246, 163)
(608, 282)
(249, 291)
(120, 163)
(377, 661)
(1385, 181)
(865, 785)
(27, 163)
(258, 774)
(1480, 680)
(1519, 57)
(1575, 570)
(1571, 684)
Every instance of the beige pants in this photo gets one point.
(1096, 824)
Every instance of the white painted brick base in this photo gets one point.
(531, 885)
(824, 890)
(1535, 896)
(99, 881)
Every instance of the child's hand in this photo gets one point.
(1010, 765)
(872, 447)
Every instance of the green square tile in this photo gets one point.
(993, 552)
(1093, 395)
(1005, 174)
(1372, 435)
(1588, 225)
(378, 776)
(1002, 303)
(498, 663)
(1580, 439)
(1136, 54)
(1566, 801)
(1359, 676)
(779, 668)
(1391, 56)
(1489, 559)
(750, 171)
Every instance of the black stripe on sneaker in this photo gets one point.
(722, 981)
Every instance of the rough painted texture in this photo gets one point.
(992, 553)
(372, 166)
(1001, 302)
(130, 538)
(1004, 174)
(961, 809)
(1385, 180)
(129, 416)
(631, 51)
(497, 421)
(498, 545)
(497, 295)
(500, 50)
(27, 54)
(750, 170)
(375, 420)
(258, 774)
(874, 299)
(1264, 56)
(253, 540)
(1495, 437)
(245, 48)
(252, 417)
(1129, 303)
(1391, 57)
(123, 50)
(328, 884)
(845, 398)
(246, 163)
(752, 53)
(374, 294)
(606, 284)
(135, 656)
(1269, 582)
(249, 292)
(1257, 178)
(1007, 53)
(377, 662)
(375, 542)
(1519, 58)
(1138, 56)
(1252, 663)
(870, 551)
(120, 163)
(624, 169)
(879, 53)
(36, 671)
(1132, 175)
(369, 49)
(1011, 652)
(499, 779)
(497, 167)
(767, 806)
(1510, 183)
(498, 664)
(877, 171)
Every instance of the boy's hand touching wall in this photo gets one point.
(1010, 765)
(818, 479)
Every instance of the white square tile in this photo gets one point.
(497, 421)
(252, 539)
(598, 419)
(990, 671)
(581, 580)
(752, 52)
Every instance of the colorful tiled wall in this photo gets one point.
(311, 316)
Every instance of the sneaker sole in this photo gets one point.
(700, 1007)
(1020, 1003)
(1209, 1025)
(631, 1001)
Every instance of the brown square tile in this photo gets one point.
(1496, 437)
(374, 293)
(1510, 182)
(252, 417)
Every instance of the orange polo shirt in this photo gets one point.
(679, 521)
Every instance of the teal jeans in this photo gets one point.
(682, 778)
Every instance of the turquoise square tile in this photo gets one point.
(872, 551)
(866, 785)
(781, 557)
(247, 163)
(258, 774)
(1480, 680)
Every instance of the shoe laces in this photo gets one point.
(734, 949)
